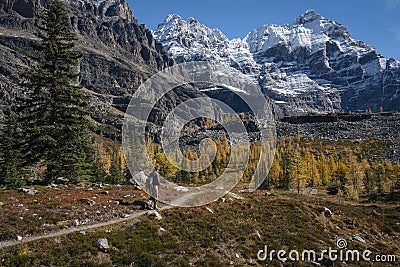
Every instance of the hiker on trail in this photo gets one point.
(152, 184)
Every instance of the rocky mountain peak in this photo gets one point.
(310, 31)
(101, 8)
(193, 21)
(308, 16)
(172, 17)
(115, 8)
(189, 40)
(189, 28)
(319, 24)
(184, 35)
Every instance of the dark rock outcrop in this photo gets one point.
(118, 52)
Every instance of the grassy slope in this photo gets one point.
(284, 221)
(57, 208)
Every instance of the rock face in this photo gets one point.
(311, 65)
(347, 127)
(119, 53)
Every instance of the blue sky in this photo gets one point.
(376, 22)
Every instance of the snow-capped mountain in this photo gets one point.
(189, 40)
(311, 65)
(309, 31)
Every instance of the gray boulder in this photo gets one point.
(102, 243)
(29, 191)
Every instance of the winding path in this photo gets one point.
(137, 214)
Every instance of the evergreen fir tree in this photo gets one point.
(117, 176)
(11, 164)
(53, 109)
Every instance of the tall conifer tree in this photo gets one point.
(53, 110)
(11, 165)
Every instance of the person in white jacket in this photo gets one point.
(152, 185)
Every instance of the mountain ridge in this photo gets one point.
(119, 53)
(313, 56)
